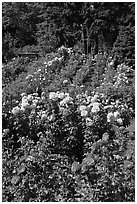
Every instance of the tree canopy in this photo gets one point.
(95, 26)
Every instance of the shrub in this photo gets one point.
(65, 141)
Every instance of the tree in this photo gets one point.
(49, 25)
(19, 21)
(124, 46)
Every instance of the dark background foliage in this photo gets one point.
(95, 26)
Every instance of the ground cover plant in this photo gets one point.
(68, 130)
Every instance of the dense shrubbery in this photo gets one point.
(67, 130)
(124, 47)
(13, 69)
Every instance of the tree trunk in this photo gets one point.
(96, 46)
(85, 40)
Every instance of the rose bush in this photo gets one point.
(65, 131)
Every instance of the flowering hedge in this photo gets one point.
(66, 137)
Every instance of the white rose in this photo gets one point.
(61, 95)
(52, 95)
(82, 107)
(30, 97)
(84, 113)
(94, 98)
(120, 121)
(110, 117)
(116, 114)
(89, 122)
(16, 110)
(95, 109)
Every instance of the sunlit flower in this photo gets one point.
(52, 95)
(116, 114)
(66, 100)
(94, 98)
(95, 108)
(89, 122)
(35, 101)
(82, 107)
(111, 63)
(84, 113)
(16, 110)
(110, 117)
(61, 95)
(30, 97)
(24, 104)
(120, 121)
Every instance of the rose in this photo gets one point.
(16, 110)
(110, 117)
(84, 113)
(95, 108)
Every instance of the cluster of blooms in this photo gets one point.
(40, 73)
(49, 63)
(88, 103)
(28, 102)
(89, 106)
(64, 101)
(63, 49)
(121, 77)
(32, 102)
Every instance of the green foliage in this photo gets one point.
(18, 26)
(68, 130)
(14, 68)
(68, 117)
(94, 25)
(124, 47)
